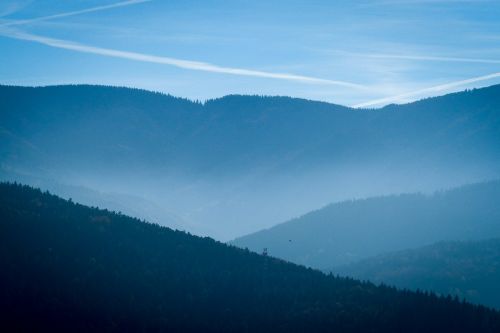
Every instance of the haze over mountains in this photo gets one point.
(361, 181)
(238, 164)
(349, 231)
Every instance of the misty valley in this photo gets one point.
(129, 210)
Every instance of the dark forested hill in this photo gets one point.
(470, 270)
(67, 267)
(349, 231)
(238, 164)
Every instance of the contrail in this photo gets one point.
(78, 12)
(439, 88)
(181, 63)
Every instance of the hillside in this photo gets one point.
(346, 232)
(67, 267)
(470, 270)
(238, 164)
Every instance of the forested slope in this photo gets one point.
(67, 267)
(469, 270)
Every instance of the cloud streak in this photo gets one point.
(180, 63)
(78, 12)
(430, 90)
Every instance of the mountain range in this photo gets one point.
(231, 166)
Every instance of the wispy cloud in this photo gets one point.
(73, 13)
(429, 90)
(180, 63)
(422, 57)
(11, 7)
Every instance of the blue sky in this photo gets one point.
(357, 53)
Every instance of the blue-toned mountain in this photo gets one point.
(237, 164)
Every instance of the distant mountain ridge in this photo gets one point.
(349, 231)
(469, 270)
(68, 267)
(237, 164)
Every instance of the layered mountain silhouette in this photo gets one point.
(68, 267)
(469, 270)
(237, 164)
(348, 231)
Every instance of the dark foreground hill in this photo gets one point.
(470, 270)
(67, 267)
(346, 232)
(238, 164)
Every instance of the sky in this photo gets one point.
(365, 53)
